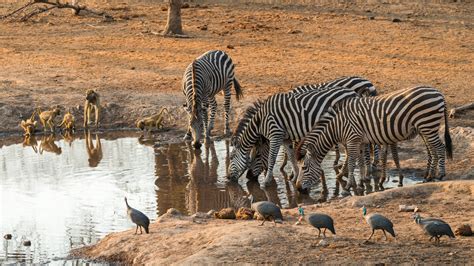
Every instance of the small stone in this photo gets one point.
(203, 27)
(230, 46)
(371, 18)
(173, 211)
(132, 68)
(164, 8)
(323, 243)
(396, 20)
(27, 243)
(8, 236)
(463, 230)
(451, 253)
(185, 5)
(290, 31)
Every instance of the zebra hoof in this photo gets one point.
(197, 145)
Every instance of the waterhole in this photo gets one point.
(63, 194)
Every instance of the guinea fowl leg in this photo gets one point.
(431, 238)
(371, 235)
(264, 218)
(324, 233)
(319, 232)
(141, 232)
(274, 223)
(136, 230)
(385, 235)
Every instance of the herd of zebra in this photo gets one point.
(310, 120)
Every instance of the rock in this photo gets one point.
(244, 214)
(226, 213)
(164, 8)
(211, 212)
(323, 243)
(371, 18)
(203, 27)
(396, 20)
(185, 5)
(173, 211)
(463, 230)
(230, 46)
(8, 236)
(407, 208)
(201, 215)
(27, 243)
(290, 31)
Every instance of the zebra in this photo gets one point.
(282, 118)
(259, 155)
(379, 120)
(203, 79)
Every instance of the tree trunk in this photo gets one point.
(173, 26)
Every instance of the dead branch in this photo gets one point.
(460, 108)
(49, 5)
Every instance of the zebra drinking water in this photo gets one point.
(282, 118)
(207, 75)
(259, 155)
(378, 120)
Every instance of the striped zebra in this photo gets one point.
(281, 119)
(259, 155)
(378, 120)
(207, 75)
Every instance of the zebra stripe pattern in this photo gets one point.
(207, 75)
(282, 118)
(378, 120)
(361, 86)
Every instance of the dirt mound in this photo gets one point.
(182, 240)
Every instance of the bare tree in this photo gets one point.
(173, 26)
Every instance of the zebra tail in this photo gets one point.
(447, 137)
(238, 90)
(193, 78)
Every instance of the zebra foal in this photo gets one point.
(207, 75)
(379, 120)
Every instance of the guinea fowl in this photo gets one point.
(267, 210)
(137, 217)
(321, 220)
(378, 222)
(435, 228)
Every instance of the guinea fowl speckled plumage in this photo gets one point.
(378, 222)
(435, 228)
(267, 209)
(321, 220)
(137, 217)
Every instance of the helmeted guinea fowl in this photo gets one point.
(137, 217)
(378, 222)
(435, 228)
(320, 220)
(267, 209)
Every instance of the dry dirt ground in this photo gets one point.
(184, 240)
(54, 58)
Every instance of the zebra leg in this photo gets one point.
(427, 176)
(375, 150)
(188, 135)
(285, 161)
(353, 153)
(362, 174)
(439, 155)
(337, 156)
(324, 192)
(290, 155)
(212, 116)
(275, 142)
(396, 160)
(383, 171)
(227, 96)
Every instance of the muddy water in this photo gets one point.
(62, 194)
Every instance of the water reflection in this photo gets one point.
(48, 144)
(71, 195)
(94, 151)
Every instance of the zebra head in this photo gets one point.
(197, 128)
(238, 163)
(310, 171)
(258, 159)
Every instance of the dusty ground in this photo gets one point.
(182, 240)
(53, 59)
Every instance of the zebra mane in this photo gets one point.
(245, 120)
(193, 78)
